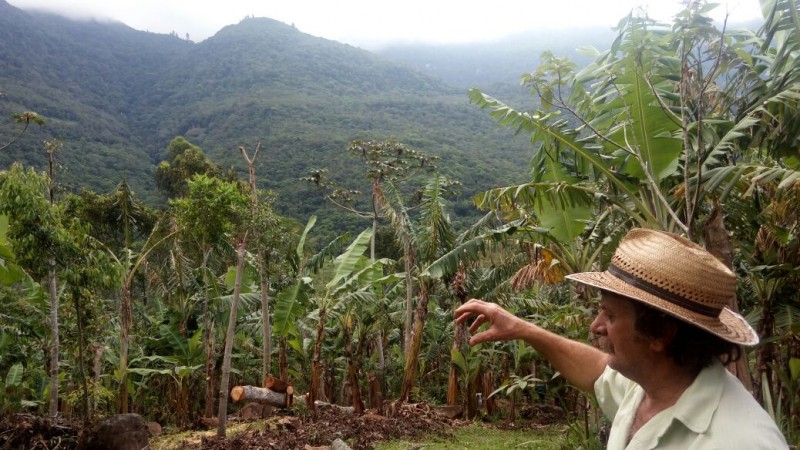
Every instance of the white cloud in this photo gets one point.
(361, 22)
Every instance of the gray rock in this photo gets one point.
(339, 444)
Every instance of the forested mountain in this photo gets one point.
(116, 96)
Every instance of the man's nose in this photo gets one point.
(596, 326)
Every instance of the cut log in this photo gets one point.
(341, 409)
(276, 384)
(262, 395)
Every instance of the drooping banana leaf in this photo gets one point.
(345, 264)
(290, 304)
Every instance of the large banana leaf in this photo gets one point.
(472, 249)
(290, 304)
(345, 264)
(540, 123)
(645, 127)
(565, 219)
(302, 242)
(367, 273)
(14, 375)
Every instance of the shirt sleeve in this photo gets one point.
(610, 389)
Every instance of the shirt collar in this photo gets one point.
(697, 404)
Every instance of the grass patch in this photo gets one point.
(192, 439)
(478, 437)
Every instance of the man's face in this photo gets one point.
(614, 328)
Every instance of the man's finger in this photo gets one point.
(480, 320)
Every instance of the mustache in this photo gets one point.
(599, 342)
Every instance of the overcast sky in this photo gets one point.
(370, 23)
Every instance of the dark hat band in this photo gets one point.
(671, 297)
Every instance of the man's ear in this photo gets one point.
(660, 344)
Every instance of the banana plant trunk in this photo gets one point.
(315, 364)
(412, 353)
(452, 381)
(352, 373)
(283, 365)
(222, 413)
(408, 261)
(765, 354)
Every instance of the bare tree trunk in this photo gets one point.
(262, 268)
(51, 278)
(54, 339)
(97, 368)
(222, 413)
(81, 364)
(208, 341)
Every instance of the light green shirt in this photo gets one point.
(715, 413)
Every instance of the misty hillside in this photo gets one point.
(116, 96)
(498, 62)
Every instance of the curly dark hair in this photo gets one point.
(692, 347)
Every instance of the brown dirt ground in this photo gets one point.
(29, 432)
(361, 432)
(327, 424)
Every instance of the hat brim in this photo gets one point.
(729, 326)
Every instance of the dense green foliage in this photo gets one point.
(649, 134)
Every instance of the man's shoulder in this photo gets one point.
(743, 420)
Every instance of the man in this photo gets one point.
(665, 332)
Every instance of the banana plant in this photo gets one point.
(179, 359)
(351, 272)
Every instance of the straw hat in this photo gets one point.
(676, 276)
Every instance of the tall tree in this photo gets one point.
(184, 161)
(266, 234)
(206, 216)
(39, 238)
